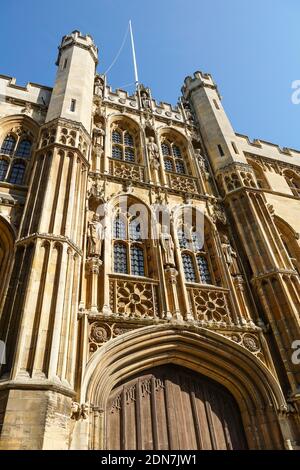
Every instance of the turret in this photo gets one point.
(215, 127)
(72, 95)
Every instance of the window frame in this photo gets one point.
(172, 156)
(14, 158)
(191, 249)
(14, 163)
(123, 146)
(129, 243)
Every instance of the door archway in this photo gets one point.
(170, 407)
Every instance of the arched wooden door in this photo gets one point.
(170, 407)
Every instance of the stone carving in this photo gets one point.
(79, 411)
(146, 102)
(99, 333)
(84, 410)
(218, 213)
(68, 136)
(48, 136)
(95, 237)
(210, 305)
(75, 410)
(96, 193)
(127, 170)
(98, 135)
(232, 182)
(167, 246)
(133, 299)
(248, 179)
(188, 111)
(99, 86)
(93, 265)
(27, 110)
(202, 161)
(182, 183)
(250, 342)
(229, 255)
(153, 153)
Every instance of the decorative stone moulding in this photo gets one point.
(134, 299)
(126, 170)
(210, 305)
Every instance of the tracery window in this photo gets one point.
(17, 173)
(195, 258)
(3, 169)
(24, 148)
(173, 157)
(293, 180)
(128, 246)
(8, 145)
(15, 148)
(123, 146)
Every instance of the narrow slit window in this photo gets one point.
(73, 105)
(216, 104)
(234, 147)
(221, 151)
(65, 63)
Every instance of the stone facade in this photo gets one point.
(91, 295)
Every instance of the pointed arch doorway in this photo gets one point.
(169, 408)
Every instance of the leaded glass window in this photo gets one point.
(24, 148)
(8, 145)
(183, 242)
(131, 231)
(128, 140)
(137, 261)
(188, 267)
(197, 241)
(135, 230)
(119, 229)
(194, 257)
(129, 154)
(3, 169)
(202, 263)
(17, 173)
(120, 258)
(117, 152)
(173, 157)
(168, 165)
(176, 151)
(180, 167)
(165, 150)
(116, 137)
(123, 146)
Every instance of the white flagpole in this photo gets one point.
(133, 55)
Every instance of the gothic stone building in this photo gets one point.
(151, 336)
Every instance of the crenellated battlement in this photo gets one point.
(163, 109)
(80, 40)
(198, 79)
(267, 149)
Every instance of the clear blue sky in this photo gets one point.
(251, 47)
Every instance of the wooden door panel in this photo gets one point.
(170, 408)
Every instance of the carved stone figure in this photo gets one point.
(146, 102)
(230, 255)
(75, 410)
(167, 246)
(201, 160)
(153, 153)
(95, 237)
(27, 109)
(84, 411)
(98, 135)
(99, 86)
